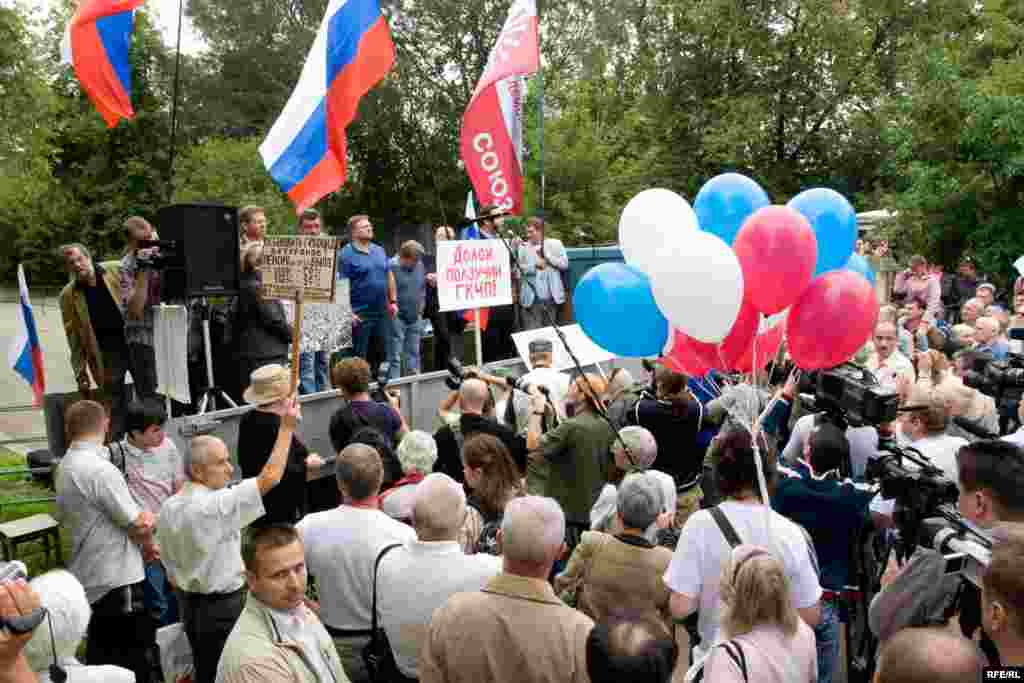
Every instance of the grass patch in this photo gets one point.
(15, 492)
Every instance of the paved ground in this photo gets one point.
(57, 367)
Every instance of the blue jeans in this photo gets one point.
(371, 323)
(404, 348)
(158, 596)
(826, 633)
(314, 372)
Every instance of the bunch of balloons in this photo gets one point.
(719, 285)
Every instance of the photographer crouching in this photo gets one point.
(928, 588)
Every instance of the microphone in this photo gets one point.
(972, 427)
(465, 223)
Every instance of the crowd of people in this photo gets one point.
(380, 314)
(559, 527)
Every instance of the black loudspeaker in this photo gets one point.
(205, 259)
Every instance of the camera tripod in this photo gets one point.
(210, 393)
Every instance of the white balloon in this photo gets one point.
(772, 320)
(653, 220)
(698, 286)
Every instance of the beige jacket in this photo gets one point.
(254, 652)
(74, 310)
(609, 572)
(515, 630)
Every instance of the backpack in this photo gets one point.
(365, 433)
(487, 541)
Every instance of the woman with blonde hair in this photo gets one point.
(764, 640)
(493, 477)
(966, 402)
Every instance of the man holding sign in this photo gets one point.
(374, 299)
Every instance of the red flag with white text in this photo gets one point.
(492, 131)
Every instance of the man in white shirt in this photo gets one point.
(542, 374)
(887, 362)
(107, 527)
(200, 537)
(154, 470)
(341, 546)
(278, 637)
(405, 601)
(541, 292)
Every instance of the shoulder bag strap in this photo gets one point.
(735, 651)
(373, 614)
(731, 537)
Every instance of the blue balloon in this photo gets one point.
(615, 307)
(859, 264)
(835, 226)
(725, 202)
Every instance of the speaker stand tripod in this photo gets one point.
(210, 392)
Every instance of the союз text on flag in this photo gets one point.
(96, 43)
(492, 140)
(25, 355)
(305, 151)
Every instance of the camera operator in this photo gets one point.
(990, 478)
(833, 512)
(473, 399)
(1017, 438)
(924, 425)
(674, 417)
(140, 292)
(1002, 587)
(542, 374)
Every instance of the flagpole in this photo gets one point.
(174, 104)
(540, 107)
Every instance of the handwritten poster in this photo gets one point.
(294, 263)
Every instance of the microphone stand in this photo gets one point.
(598, 403)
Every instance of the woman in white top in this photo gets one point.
(764, 639)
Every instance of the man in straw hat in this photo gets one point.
(269, 388)
(200, 536)
(569, 462)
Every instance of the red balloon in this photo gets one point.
(767, 345)
(832, 319)
(683, 358)
(731, 349)
(777, 251)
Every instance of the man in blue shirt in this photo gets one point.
(410, 280)
(372, 286)
(833, 512)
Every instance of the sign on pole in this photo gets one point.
(586, 351)
(473, 274)
(305, 263)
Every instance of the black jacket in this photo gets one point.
(260, 326)
(449, 459)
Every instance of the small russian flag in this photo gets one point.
(25, 354)
(96, 43)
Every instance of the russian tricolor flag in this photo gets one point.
(306, 150)
(25, 354)
(96, 43)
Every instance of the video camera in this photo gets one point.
(457, 374)
(967, 549)
(167, 254)
(919, 488)
(1003, 380)
(850, 396)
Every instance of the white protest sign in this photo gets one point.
(292, 263)
(587, 352)
(473, 274)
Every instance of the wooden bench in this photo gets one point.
(41, 527)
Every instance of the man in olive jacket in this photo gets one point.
(90, 306)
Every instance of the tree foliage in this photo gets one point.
(914, 106)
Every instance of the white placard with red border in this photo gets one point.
(473, 274)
